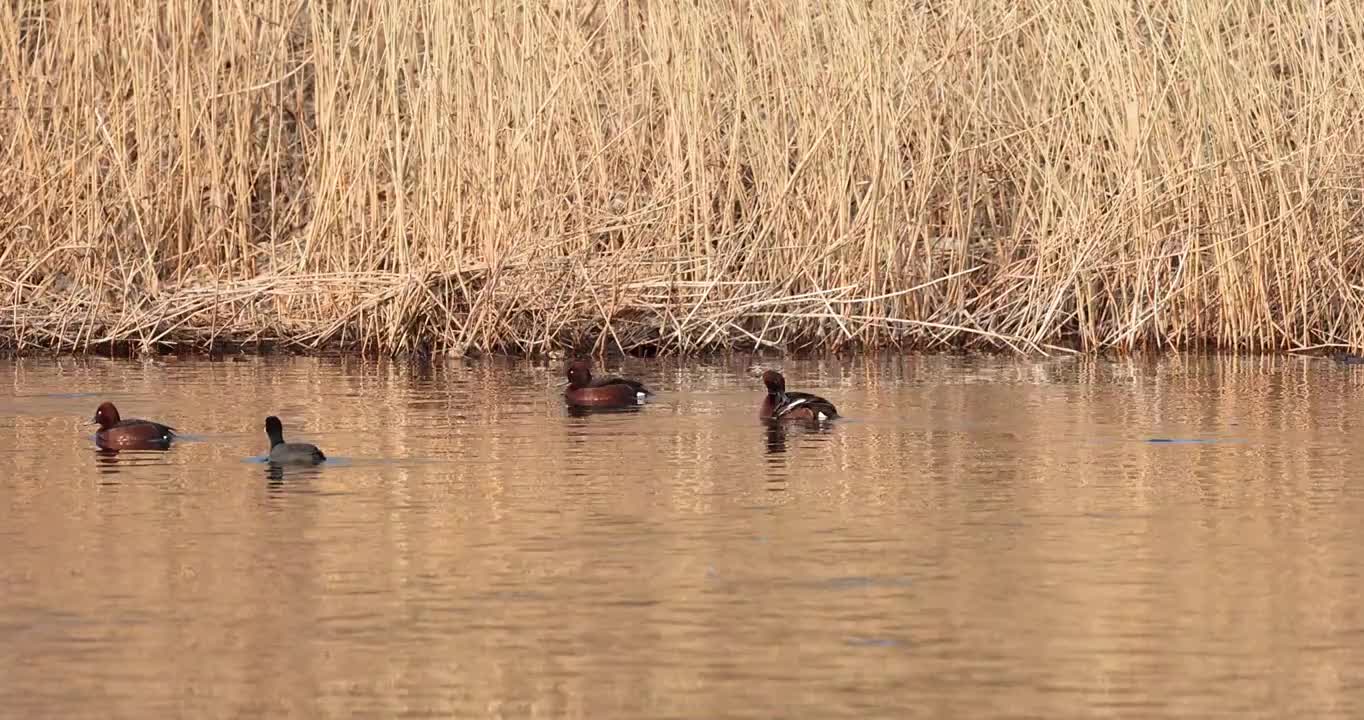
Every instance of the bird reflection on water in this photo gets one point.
(111, 461)
(283, 478)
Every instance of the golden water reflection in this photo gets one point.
(981, 537)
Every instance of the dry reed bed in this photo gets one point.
(789, 173)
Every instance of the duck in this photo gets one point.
(283, 453)
(116, 433)
(585, 391)
(782, 405)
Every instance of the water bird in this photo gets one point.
(132, 434)
(283, 453)
(584, 390)
(1345, 358)
(782, 405)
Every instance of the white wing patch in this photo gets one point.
(791, 405)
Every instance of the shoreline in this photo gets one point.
(432, 314)
(225, 350)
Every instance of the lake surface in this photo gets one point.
(981, 537)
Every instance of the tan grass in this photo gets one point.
(775, 173)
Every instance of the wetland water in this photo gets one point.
(982, 537)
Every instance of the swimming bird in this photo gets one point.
(782, 405)
(584, 390)
(283, 453)
(116, 433)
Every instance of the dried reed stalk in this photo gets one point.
(682, 176)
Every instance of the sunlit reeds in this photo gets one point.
(796, 173)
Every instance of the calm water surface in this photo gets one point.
(980, 538)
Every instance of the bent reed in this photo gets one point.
(818, 174)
